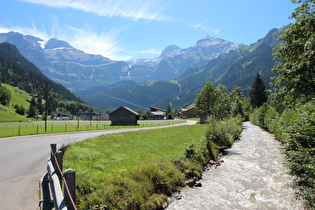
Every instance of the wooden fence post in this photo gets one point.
(69, 176)
(59, 155)
(53, 148)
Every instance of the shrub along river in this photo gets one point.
(252, 176)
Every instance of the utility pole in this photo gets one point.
(46, 105)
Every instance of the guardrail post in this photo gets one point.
(59, 155)
(69, 176)
(53, 149)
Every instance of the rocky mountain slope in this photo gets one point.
(78, 70)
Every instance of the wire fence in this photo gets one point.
(34, 128)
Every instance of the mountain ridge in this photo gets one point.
(237, 67)
(78, 70)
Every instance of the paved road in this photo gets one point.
(23, 163)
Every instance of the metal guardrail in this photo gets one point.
(55, 187)
(51, 184)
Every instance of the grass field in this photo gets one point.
(18, 96)
(9, 129)
(109, 165)
(139, 170)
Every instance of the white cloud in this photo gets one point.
(134, 9)
(216, 31)
(200, 26)
(150, 51)
(104, 44)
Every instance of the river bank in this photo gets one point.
(252, 177)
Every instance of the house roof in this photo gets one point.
(152, 107)
(85, 114)
(127, 108)
(185, 110)
(157, 113)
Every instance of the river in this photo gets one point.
(252, 176)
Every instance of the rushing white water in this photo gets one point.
(252, 176)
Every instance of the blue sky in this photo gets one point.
(133, 29)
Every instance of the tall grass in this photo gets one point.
(137, 170)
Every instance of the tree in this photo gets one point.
(139, 111)
(206, 100)
(296, 57)
(20, 109)
(39, 105)
(257, 93)
(5, 96)
(32, 111)
(223, 106)
(169, 113)
(239, 105)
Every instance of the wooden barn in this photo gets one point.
(124, 116)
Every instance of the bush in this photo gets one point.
(271, 120)
(299, 138)
(295, 128)
(222, 133)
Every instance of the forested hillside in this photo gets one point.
(17, 71)
(131, 94)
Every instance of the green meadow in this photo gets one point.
(18, 97)
(9, 129)
(141, 169)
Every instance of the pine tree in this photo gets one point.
(169, 113)
(39, 105)
(258, 94)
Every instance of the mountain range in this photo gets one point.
(236, 68)
(175, 77)
(77, 70)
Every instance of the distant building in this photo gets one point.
(156, 113)
(62, 116)
(124, 116)
(188, 113)
(100, 117)
(86, 115)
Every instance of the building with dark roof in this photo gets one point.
(156, 113)
(188, 113)
(85, 115)
(124, 116)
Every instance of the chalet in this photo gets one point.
(188, 113)
(156, 113)
(124, 116)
